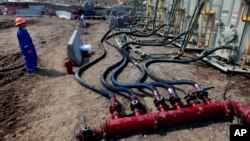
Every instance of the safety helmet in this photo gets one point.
(19, 21)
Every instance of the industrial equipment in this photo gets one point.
(245, 15)
(120, 15)
(246, 57)
(118, 125)
(233, 30)
(205, 27)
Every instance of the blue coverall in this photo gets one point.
(26, 44)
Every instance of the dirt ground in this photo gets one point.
(49, 105)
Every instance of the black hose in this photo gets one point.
(143, 77)
(123, 65)
(150, 34)
(125, 46)
(110, 87)
(146, 27)
(171, 90)
(114, 88)
(171, 17)
(79, 73)
(115, 73)
(195, 17)
(132, 33)
(183, 61)
(143, 73)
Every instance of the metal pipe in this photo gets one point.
(195, 18)
(161, 119)
(240, 110)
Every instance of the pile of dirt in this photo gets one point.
(13, 105)
(13, 94)
(8, 110)
(10, 96)
(11, 68)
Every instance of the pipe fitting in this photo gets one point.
(159, 98)
(134, 102)
(115, 108)
(159, 102)
(201, 92)
(190, 97)
(84, 134)
(160, 119)
(198, 87)
(207, 101)
(242, 111)
(174, 100)
(137, 107)
(156, 95)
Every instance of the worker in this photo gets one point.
(27, 48)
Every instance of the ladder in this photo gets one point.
(245, 14)
(247, 52)
(206, 28)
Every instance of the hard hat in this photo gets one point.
(19, 21)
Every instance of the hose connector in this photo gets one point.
(115, 108)
(173, 97)
(202, 93)
(84, 133)
(159, 102)
(136, 106)
(190, 98)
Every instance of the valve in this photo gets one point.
(84, 133)
(115, 108)
(202, 92)
(159, 102)
(174, 100)
(173, 97)
(189, 96)
(137, 106)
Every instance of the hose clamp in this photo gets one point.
(134, 102)
(159, 98)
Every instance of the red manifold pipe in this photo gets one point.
(240, 110)
(160, 119)
(164, 118)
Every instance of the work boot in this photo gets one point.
(33, 70)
